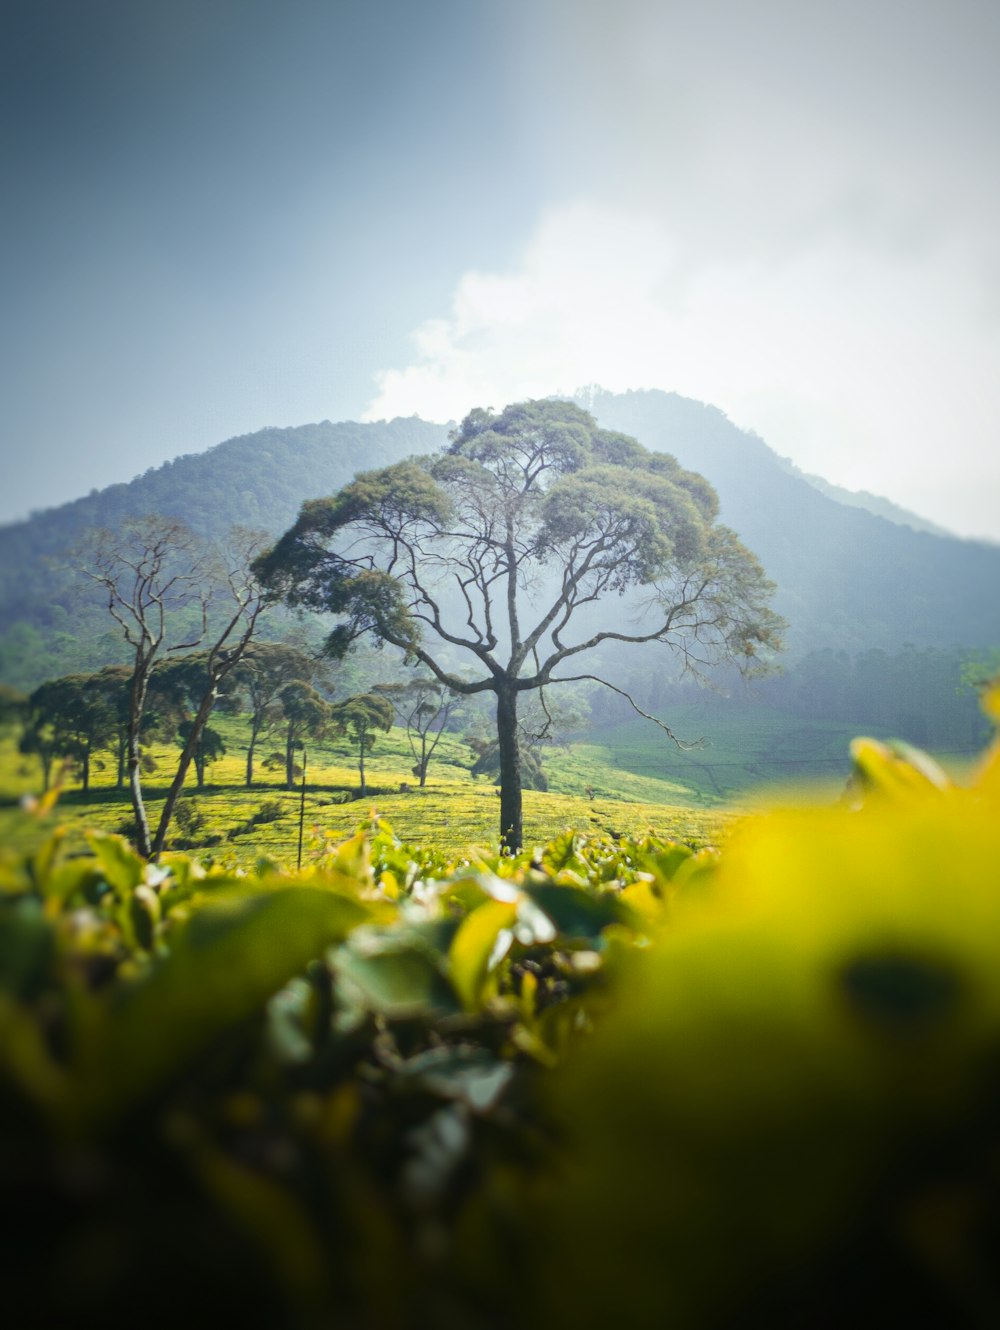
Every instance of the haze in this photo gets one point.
(228, 214)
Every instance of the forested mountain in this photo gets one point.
(847, 579)
(51, 620)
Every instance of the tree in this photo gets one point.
(499, 550)
(12, 705)
(209, 748)
(114, 685)
(423, 705)
(540, 725)
(266, 668)
(170, 593)
(306, 716)
(361, 718)
(69, 717)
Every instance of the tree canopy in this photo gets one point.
(496, 551)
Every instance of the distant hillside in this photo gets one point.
(47, 612)
(871, 503)
(847, 579)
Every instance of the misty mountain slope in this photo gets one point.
(846, 578)
(256, 480)
(872, 503)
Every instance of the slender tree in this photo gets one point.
(361, 718)
(423, 706)
(498, 551)
(256, 685)
(239, 600)
(153, 576)
(306, 716)
(209, 748)
(170, 594)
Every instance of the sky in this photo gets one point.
(226, 214)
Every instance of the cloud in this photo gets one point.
(874, 369)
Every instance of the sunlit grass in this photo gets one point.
(454, 811)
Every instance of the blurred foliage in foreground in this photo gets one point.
(609, 1081)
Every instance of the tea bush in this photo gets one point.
(611, 1079)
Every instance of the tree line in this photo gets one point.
(276, 687)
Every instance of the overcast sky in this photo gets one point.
(225, 214)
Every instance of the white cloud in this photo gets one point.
(875, 369)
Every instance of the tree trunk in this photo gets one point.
(137, 702)
(250, 751)
(290, 760)
(199, 770)
(85, 769)
(422, 764)
(361, 767)
(511, 827)
(187, 754)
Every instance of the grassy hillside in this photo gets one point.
(626, 778)
(453, 811)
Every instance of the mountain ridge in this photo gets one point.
(846, 577)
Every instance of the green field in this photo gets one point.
(454, 810)
(624, 779)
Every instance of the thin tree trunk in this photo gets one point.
(290, 760)
(187, 754)
(86, 771)
(137, 702)
(511, 825)
(254, 732)
(423, 760)
(361, 767)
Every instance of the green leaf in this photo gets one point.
(237, 950)
(398, 980)
(121, 866)
(26, 947)
(579, 915)
(475, 945)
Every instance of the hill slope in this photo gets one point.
(846, 578)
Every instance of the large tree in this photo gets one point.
(498, 551)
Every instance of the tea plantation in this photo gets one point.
(616, 1079)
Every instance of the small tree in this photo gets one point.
(114, 686)
(257, 682)
(69, 717)
(499, 550)
(306, 716)
(423, 706)
(13, 704)
(209, 748)
(361, 718)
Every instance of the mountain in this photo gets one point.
(847, 578)
(872, 503)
